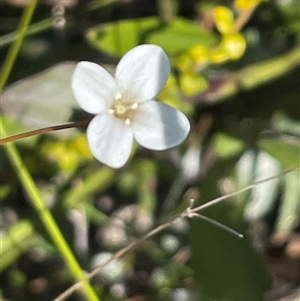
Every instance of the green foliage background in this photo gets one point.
(61, 209)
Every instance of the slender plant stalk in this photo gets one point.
(44, 130)
(189, 212)
(24, 175)
(14, 49)
(32, 29)
(46, 217)
(243, 18)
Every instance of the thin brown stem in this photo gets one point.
(232, 194)
(44, 130)
(67, 293)
(189, 213)
(213, 222)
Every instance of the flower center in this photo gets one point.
(123, 110)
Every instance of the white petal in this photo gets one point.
(158, 126)
(142, 72)
(93, 87)
(110, 140)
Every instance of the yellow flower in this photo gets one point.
(224, 19)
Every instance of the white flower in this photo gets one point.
(124, 105)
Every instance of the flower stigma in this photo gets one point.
(123, 110)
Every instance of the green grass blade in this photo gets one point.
(46, 216)
(14, 49)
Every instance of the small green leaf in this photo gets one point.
(179, 35)
(17, 240)
(287, 151)
(4, 191)
(226, 146)
(118, 37)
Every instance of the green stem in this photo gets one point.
(24, 175)
(32, 29)
(46, 217)
(14, 49)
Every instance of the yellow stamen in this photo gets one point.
(122, 109)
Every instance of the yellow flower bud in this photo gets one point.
(81, 146)
(184, 62)
(192, 83)
(224, 19)
(235, 44)
(199, 54)
(245, 4)
(218, 55)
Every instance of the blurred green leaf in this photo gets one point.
(95, 215)
(226, 146)
(96, 4)
(244, 170)
(286, 125)
(146, 169)
(226, 268)
(17, 240)
(265, 71)
(290, 206)
(263, 196)
(18, 278)
(43, 99)
(127, 182)
(179, 35)
(93, 183)
(32, 29)
(287, 151)
(251, 76)
(290, 12)
(118, 37)
(254, 166)
(4, 191)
